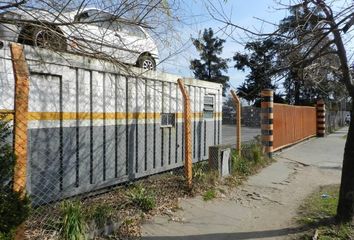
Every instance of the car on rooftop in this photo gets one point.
(88, 31)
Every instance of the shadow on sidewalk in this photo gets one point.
(236, 235)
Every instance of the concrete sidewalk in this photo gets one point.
(265, 206)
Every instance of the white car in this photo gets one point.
(88, 31)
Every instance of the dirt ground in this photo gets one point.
(265, 207)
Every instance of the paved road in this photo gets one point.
(265, 206)
(229, 134)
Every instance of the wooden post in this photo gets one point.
(187, 116)
(21, 74)
(267, 121)
(321, 118)
(237, 103)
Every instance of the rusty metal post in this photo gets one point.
(321, 118)
(237, 103)
(21, 74)
(267, 121)
(188, 133)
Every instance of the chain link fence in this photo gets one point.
(335, 120)
(98, 151)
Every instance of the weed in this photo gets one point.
(222, 191)
(73, 225)
(203, 176)
(240, 166)
(141, 198)
(209, 195)
(232, 181)
(100, 214)
(252, 152)
(252, 159)
(319, 210)
(199, 171)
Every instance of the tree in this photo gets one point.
(260, 61)
(305, 83)
(211, 65)
(327, 38)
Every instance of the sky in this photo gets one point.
(197, 18)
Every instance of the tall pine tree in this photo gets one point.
(210, 66)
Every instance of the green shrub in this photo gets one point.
(252, 158)
(209, 195)
(141, 198)
(252, 152)
(73, 226)
(240, 166)
(14, 208)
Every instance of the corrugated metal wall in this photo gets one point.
(91, 125)
(292, 124)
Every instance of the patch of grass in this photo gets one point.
(240, 166)
(250, 161)
(73, 225)
(318, 212)
(142, 198)
(199, 170)
(345, 136)
(209, 194)
(203, 176)
(100, 213)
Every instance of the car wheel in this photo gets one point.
(147, 62)
(48, 38)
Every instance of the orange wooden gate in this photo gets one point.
(292, 124)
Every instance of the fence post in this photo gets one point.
(237, 104)
(267, 121)
(187, 133)
(321, 118)
(21, 75)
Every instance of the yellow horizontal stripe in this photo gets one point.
(33, 116)
(6, 115)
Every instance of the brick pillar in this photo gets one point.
(321, 118)
(267, 121)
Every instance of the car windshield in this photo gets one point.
(93, 16)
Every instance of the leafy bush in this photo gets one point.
(14, 208)
(73, 225)
(141, 198)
